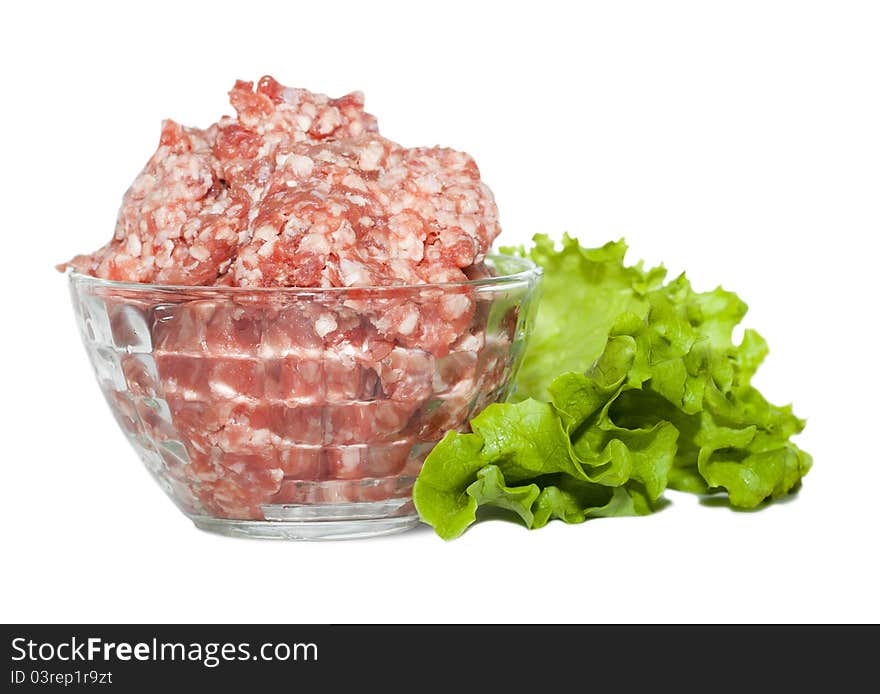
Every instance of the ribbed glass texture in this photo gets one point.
(301, 413)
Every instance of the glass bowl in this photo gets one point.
(301, 413)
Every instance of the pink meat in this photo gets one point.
(178, 223)
(264, 399)
(297, 189)
(250, 404)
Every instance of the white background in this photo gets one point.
(737, 140)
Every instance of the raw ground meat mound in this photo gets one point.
(297, 190)
(248, 399)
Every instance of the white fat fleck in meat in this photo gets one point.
(325, 324)
(454, 305)
(353, 273)
(294, 226)
(315, 242)
(223, 389)
(403, 268)
(411, 247)
(343, 236)
(469, 226)
(265, 233)
(352, 180)
(303, 121)
(370, 157)
(429, 184)
(300, 165)
(133, 245)
(336, 208)
(348, 351)
(199, 253)
(409, 321)
(226, 234)
(329, 121)
(291, 95)
(470, 342)
(143, 184)
(270, 142)
(305, 355)
(266, 249)
(250, 277)
(349, 460)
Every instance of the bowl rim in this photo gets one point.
(529, 272)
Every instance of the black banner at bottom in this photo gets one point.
(425, 657)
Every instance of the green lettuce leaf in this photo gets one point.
(584, 291)
(632, 386)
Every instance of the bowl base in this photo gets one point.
(307, 529)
